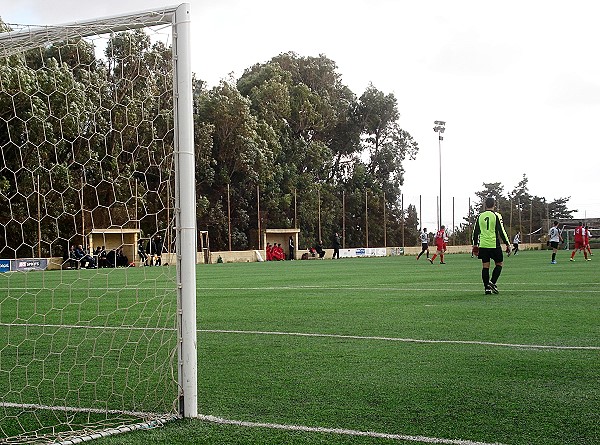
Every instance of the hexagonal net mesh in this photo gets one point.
(88, 289)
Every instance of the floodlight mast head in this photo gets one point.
(439, 126)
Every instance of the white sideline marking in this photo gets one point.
(310, 429)
(308, 334)
(469, 287)
(472, 288)
(406, 340)
(162, 419)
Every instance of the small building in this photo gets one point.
(282, 236)
(115, 238)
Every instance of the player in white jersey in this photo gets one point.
(424, 237)
(516, 242)
(554, 237)
(586, 240)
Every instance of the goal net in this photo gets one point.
(97, 227)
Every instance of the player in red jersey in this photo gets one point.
(579, 242)
(269, 252)
(440, 244)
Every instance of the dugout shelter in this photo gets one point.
(115, 238)
(281, 236)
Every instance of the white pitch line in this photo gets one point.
(469, 287)
(163, 418)
(317, 335)
(405, 340)
(396, 289)
(342, 431)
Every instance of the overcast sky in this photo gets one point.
(517, 82)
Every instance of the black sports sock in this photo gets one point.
(496, 273)
(553, 256)
(485, 276)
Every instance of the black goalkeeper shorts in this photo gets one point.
(486, 254)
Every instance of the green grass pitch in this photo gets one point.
(375, 351)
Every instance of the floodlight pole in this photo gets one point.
(186, 214)
(440, 127)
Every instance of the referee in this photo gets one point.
(488, 234)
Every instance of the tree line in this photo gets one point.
(88, 142)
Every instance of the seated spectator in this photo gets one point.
(111, 258)
(278, 253)
(102, 258)
(274, 253)
(121, 258)
(281, 252)
(96, 256)
(269, 252)
(84, 258)
(319, 249)
(73, 258)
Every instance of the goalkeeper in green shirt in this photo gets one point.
(488, 235)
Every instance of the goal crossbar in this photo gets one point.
(34, 36)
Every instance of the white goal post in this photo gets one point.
(87, 148)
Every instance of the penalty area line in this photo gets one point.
(342, 431)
